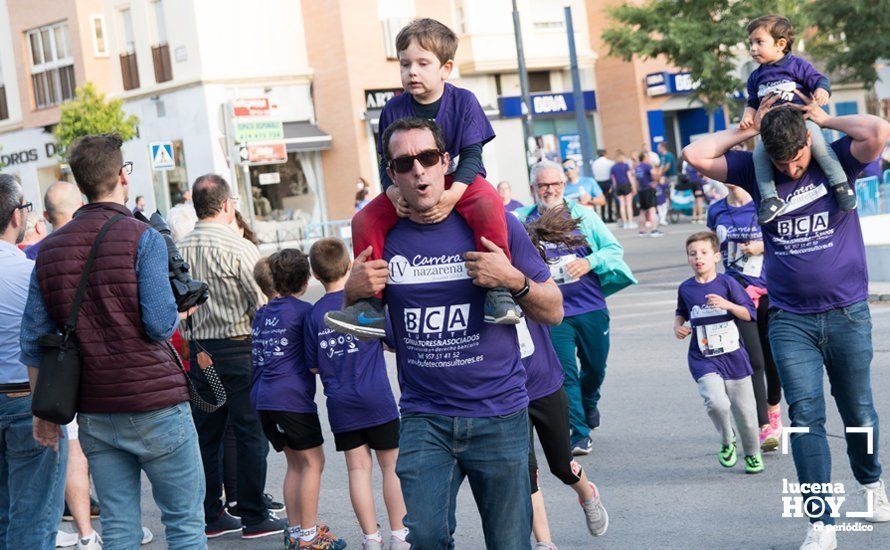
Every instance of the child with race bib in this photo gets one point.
(793, 80)
(711, 302)
(426, 50)
(283, 394)
(361, 408)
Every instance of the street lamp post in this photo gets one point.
(527, 131)
(578, 97)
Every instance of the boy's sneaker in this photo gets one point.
(845, 196)
(291, 540)
(770, 208)
(222, 525)
(395, 543)
(64, 539)
(372, 544)
(727, 455)
(92, 542)
(363, 319)
(545, 546)
(272, 504)
(583, 446)
(769, 438)
(656, 233)
(501, 308)
(147, 535)
(753, 464)
(269, 526)
(595, 513)
(820, 537)
(879, 505)
(324, 540)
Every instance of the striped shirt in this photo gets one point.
(225, 261)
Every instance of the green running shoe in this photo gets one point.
(727, 455)
(753, 464)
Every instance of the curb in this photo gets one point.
(872, 298)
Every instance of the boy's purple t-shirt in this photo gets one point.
(579, 296)
(450, 361)
(693, 175)
(814, 254)
(783, 77)
(460, 116)
(619, 172)
(542, 368)
(735, 225)
(692, 305)
(281, 381)
(643, 173)
(661, 192)
(353, 372)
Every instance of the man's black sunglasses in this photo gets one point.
(427, 158)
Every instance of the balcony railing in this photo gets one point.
(160, 55)
(129, 71)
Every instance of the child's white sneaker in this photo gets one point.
(877, 495)
(819, 537)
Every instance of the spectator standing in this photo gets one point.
(132, 405)
(140, 205)
(32, 477)
(602, 173)
(582, 189)
(506, 194)
(220, 331)
(35, 231)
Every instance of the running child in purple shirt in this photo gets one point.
(283, 393)
(791, 79)
(711, 302)
(361, 408)
(426, 50)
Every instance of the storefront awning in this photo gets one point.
(305, 136)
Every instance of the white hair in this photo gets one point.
(543, 165)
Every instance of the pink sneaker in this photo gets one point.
(775, 418)
(769, 438)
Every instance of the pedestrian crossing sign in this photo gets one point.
(162, 155)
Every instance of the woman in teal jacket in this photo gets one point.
(586, 275)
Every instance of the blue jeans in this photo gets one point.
(437, 452)
(822, 153)
(583, 337)
(32, 480)
(163, 444)
(841, 340)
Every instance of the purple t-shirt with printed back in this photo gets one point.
(281, 381)
(513, 205)
(460, 116)
(736, 225)
(661, 192)
(643, 173)
(619, 172)
(450, 361)
(814, 254)
(353, 372)
(578, 295)
(783, 77)
(542, 367)
(715, 344)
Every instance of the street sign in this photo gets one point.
(162, 155)
(271, 153)
(251, 106)
(248, 131)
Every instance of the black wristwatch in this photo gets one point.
(522, 292)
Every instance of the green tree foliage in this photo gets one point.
(851, 36)
(90, 112)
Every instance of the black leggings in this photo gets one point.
(549, 416)
(755, 337)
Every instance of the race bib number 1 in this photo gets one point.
(717, 338)
(526, 344)
(559, 272)
(753, 266)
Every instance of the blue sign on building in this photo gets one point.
(546, 104)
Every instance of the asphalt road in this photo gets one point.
(654, 455)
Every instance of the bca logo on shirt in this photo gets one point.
(454, 318)
(803, 225)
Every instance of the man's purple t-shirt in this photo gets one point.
(871, 170)
(353, 372)
(450, 361)
(579, 296)
(513, 205)
(281, 381)
(735, 225)
(643, 173)
(619, 173)
(706, 355)
(461, 118)
(542, 367)
(783, 77)
(814, 253)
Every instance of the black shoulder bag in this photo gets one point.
(58, 384)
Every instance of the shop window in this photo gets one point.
(282, 192)
(538, 81)
(52, 65)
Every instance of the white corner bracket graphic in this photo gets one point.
(869, 432)
(786, 433)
